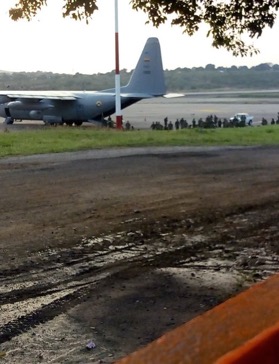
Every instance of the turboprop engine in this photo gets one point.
(23, 105)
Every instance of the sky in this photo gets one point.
(50, 43)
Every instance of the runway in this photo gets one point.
(143, 113)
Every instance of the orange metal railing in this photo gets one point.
(242, 330)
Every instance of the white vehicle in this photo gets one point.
(243, 117)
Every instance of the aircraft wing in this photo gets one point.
(40, 95)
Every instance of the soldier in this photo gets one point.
(200, 123)
(170, 125)
(215, 120)
(264, 121)
(176, 124)
(234, 121)
(158, 126)
(110, 122)
(225, 123)
(128, 125)
(182, 123)
(242, 120)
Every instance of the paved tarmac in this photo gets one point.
(143, 113)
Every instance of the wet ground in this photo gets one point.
(113, 248)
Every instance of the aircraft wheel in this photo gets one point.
(9, 120)
(69, 123)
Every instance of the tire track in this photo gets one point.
(60, 279)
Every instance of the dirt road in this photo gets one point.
(115, 247)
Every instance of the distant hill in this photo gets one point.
(262, 76)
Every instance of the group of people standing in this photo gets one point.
(273, 121)
(168, 125)
(211, 121)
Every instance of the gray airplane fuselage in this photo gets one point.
(86, 106)
(146, 81)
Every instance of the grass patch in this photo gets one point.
(62, 139)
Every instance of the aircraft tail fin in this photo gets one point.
(148, 76)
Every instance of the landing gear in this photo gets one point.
(9, 120)
(71, 123)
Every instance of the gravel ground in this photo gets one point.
(113, 248)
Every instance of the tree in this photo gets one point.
(210, 67)
(263, 67)
(227, 20)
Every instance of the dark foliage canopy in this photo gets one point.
(208, 78)
(228, 20)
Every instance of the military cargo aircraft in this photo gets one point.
(58, 107)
